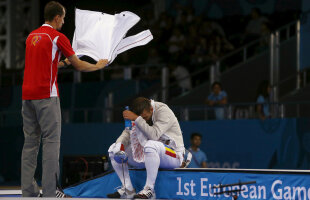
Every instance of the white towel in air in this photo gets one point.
(101, 36)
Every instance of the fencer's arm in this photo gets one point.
(124, 138)
(158, 128)
(86, 66)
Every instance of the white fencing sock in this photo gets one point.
(152, 162)
(119, 171)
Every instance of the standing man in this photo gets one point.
(199, 158)
(162, 146)
(41, 107)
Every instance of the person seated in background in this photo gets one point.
(217, 99)
(176, 41)
(199, 158)
(263, 100)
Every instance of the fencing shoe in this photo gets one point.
(122, 194)
(146, 193)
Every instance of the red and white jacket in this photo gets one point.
(43, 51)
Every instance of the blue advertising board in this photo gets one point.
(250, 144)
(198, 184)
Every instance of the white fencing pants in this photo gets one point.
(156, 155)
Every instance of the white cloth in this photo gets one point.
(137, 142)
(101, 36)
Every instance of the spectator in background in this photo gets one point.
(201, 53)
(176, 41)
(191, 43)
(153, 59)
(263, 100)
(199, 158)
(190, 14)
(214, 47)
(183, 78)
(254, 27)
(265, 34)
(217, 99)
(209, 27)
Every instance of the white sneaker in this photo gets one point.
(60, 194)
(146, 193)
(122, 194)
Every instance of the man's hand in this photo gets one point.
(67, 61)
(102, 63)
(64, 63)
(127, 114)
(84, 66)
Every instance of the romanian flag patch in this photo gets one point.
(170, 152)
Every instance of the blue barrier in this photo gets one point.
(253, 144)
(198, 184)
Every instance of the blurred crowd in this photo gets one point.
(188, 42)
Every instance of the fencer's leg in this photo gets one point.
(123, 175)
(152, 162)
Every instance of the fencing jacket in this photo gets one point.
(165, 127)
(101, 36)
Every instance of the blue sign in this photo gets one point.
(199, 184)
(247, 144)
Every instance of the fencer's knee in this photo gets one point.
(150, 147)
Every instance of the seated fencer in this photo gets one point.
(155, 141)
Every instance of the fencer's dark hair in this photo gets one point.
(139, 104)
(195, 135)
(52, 9)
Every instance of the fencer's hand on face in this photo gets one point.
(102, 63)
(127, 114)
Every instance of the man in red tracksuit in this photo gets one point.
(40, 99)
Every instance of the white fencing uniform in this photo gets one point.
(157, 154)
(101, 36)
